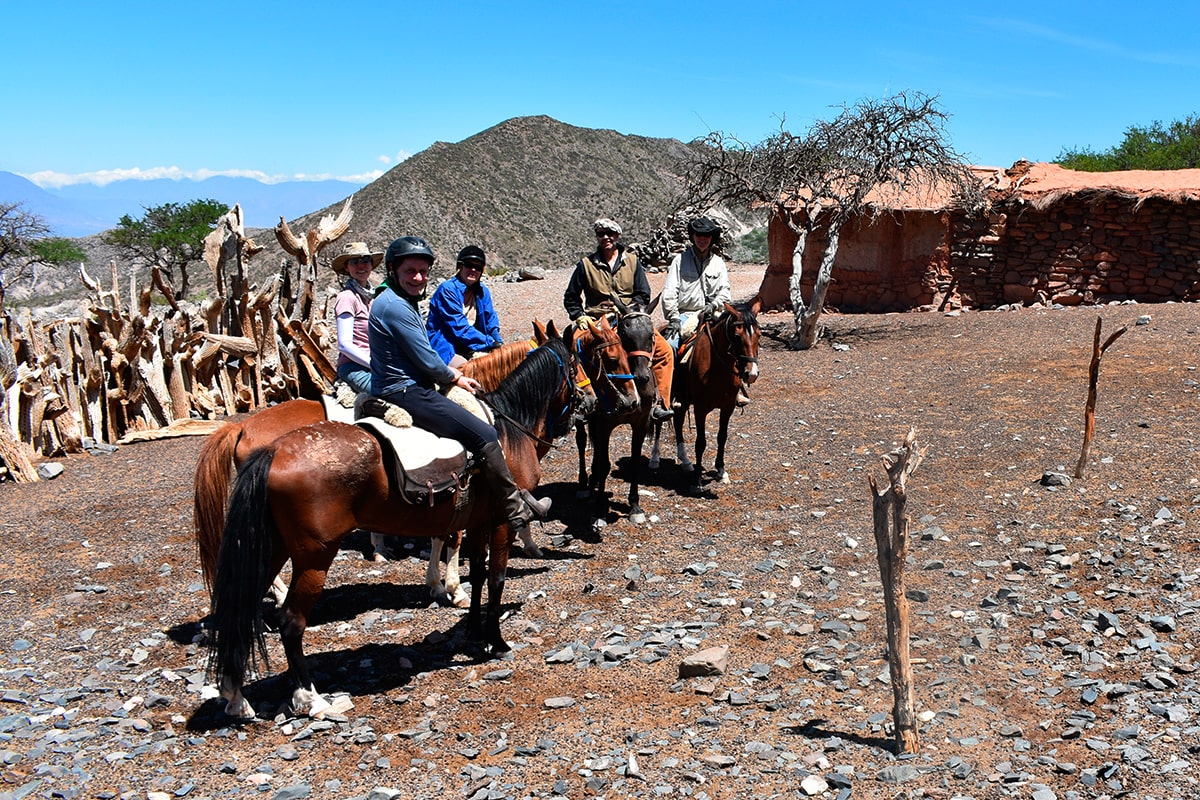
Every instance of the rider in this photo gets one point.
(405, 370)
(613, 269)
(462, 320)
(697, 285)
(354, 263)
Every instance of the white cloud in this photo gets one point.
(56, 180)
(401, 155)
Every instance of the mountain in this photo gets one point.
(526, 190)
(84, 209)
(63, 217)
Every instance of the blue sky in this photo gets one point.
(347, 89)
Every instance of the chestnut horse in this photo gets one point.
(299, 496)
(724, 357)
(231, 444)
(636, 336)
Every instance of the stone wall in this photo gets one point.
(1084, 248)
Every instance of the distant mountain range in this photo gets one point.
(527, 190)
(85, 209)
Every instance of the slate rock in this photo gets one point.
(710, 661)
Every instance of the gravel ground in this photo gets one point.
(1053, 627)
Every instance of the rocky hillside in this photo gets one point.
(527, 190)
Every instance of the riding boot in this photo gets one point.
(495, 472)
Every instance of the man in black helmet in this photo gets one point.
(406, 370)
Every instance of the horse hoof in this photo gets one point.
(461, 599)
(723, 477)
(637, 518)
(310, 703)
(238, 708)
(378, 558)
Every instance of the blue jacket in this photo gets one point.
(449, 330)
(400, 350)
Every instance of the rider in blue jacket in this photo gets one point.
(462, 319)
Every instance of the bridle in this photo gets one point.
(734, 356)
(636, 353)
(596, 363)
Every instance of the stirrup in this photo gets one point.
(658, 413)
(539, 508)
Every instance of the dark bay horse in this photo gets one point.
(231, 444)
(299, 496)
(635, 334)
(724, 356)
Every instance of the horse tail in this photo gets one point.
(214, 470)
(243, 572)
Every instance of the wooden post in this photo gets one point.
(892, 548)
(1089, 411)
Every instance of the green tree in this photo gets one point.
(170, 237)
(25, 244)
(1175, 146)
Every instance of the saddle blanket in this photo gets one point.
(428, 467)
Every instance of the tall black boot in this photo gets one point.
(499, 479)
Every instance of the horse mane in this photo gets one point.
(545, 365)
(490, 370)
(749, 318)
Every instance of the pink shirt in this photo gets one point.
(349, 302)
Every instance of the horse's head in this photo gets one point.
(606, 366)
(635, 328)
(585, 401)
(739, 328)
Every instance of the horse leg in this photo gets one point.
(448, 590)
(581, 440)
(681, 456)
(701, 442)
(654, 460)
(307, 582)
(497, 574)
(377, 547)
(476, 544)
(601, 467)
(722, 433)
(636, 515)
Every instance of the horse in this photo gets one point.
(231, 444)
(723, 358)
(635, 334)
(300, 495)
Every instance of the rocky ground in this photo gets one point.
(1053, 626)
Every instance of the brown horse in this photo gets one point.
(231, 444)
(635, 336)
(298, 497)
(724, 357)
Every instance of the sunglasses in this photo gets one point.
(354, 262)
(607, 234)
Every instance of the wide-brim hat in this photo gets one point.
(355, 250)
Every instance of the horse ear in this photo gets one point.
(539, 331)
(731, 309)
(756, 304)
(624, 309)
(654, 304)
(550, 332)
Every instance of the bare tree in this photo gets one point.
(25, 244)
(859, 164)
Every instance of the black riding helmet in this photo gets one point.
(706, 226)
(407, 246)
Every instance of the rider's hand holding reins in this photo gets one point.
(466, 382)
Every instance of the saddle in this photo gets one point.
(425, 469)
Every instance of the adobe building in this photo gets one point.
(1048, 235)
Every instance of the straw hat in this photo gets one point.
(355, 250)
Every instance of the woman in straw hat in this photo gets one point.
(352, 310)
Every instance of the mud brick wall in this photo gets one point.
(1086, 248)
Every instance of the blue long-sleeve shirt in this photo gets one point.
(449, 330)
(400, 351)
